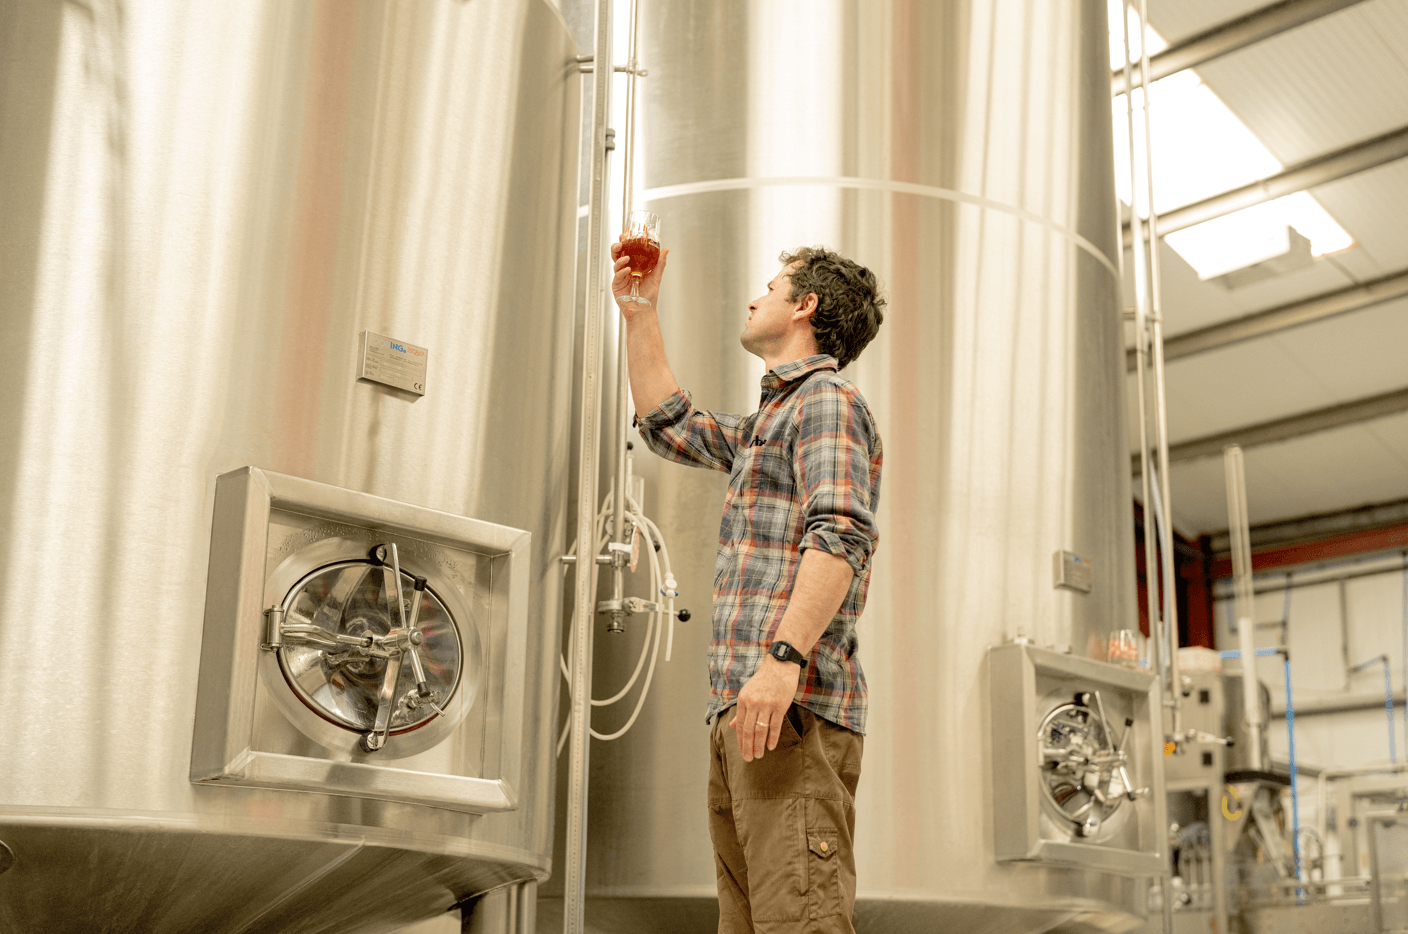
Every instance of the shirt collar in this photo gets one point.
(796, 369)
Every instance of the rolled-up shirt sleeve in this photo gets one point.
(677, 431)
(836, 445)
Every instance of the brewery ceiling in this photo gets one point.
(1320, 87)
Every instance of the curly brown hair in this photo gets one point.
(849, 306)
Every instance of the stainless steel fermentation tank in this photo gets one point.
(962, 150)
(210, 213)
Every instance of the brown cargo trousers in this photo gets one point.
(782, 828)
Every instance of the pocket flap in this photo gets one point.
(822, 843)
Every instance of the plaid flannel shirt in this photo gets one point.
(804, 472)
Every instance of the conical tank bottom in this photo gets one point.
(76, 879)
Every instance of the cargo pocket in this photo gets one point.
(770, 831)
(823, 873)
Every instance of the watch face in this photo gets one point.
(778, 651)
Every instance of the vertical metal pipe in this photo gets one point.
(527, 914)
(621, 408)
(627, 140)
(1140, 332)
(1141, 328)
(1322, 821)
(628, 153)
(1403, 660)
(1217, 840)
(623, 383)
(1156, 347)
(1344, 633)
(1291, 741)
(1243, 607)
(1388, 703)
(575, 860)
(1376, 891)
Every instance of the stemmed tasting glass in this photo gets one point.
(641, 242)
(1124, 648)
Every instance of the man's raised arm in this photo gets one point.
(651, 380)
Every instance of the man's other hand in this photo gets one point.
(762, 705)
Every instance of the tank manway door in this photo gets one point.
(1077, 762)
(368, 647)
(358, 646)
(1085, 773)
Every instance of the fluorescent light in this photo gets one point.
(1201, 148)
(1237, 240)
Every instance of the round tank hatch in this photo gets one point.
(342, 635)
(1083, 776)
(353, 669)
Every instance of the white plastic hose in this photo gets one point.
(662, 581)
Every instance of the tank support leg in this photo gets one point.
(509, 910)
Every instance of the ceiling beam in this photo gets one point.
(1283, 317)
(1346, 545)
(1230, 36)
(1293, 426)
(1341, 163)
(1291, 532)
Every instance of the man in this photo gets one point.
(790, 581)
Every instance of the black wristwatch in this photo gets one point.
(784, 652)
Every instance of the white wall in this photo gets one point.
(1322, 630)
(1370, 623)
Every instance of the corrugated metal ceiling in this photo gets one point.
(1315, 89)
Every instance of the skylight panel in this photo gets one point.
(1201, 149)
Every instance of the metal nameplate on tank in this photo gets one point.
(393, 362)
(1072, 571)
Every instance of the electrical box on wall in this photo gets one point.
(1077, 753)
(359, 646)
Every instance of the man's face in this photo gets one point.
(770, 321)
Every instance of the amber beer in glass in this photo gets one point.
(644, 254)
(640, 241)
